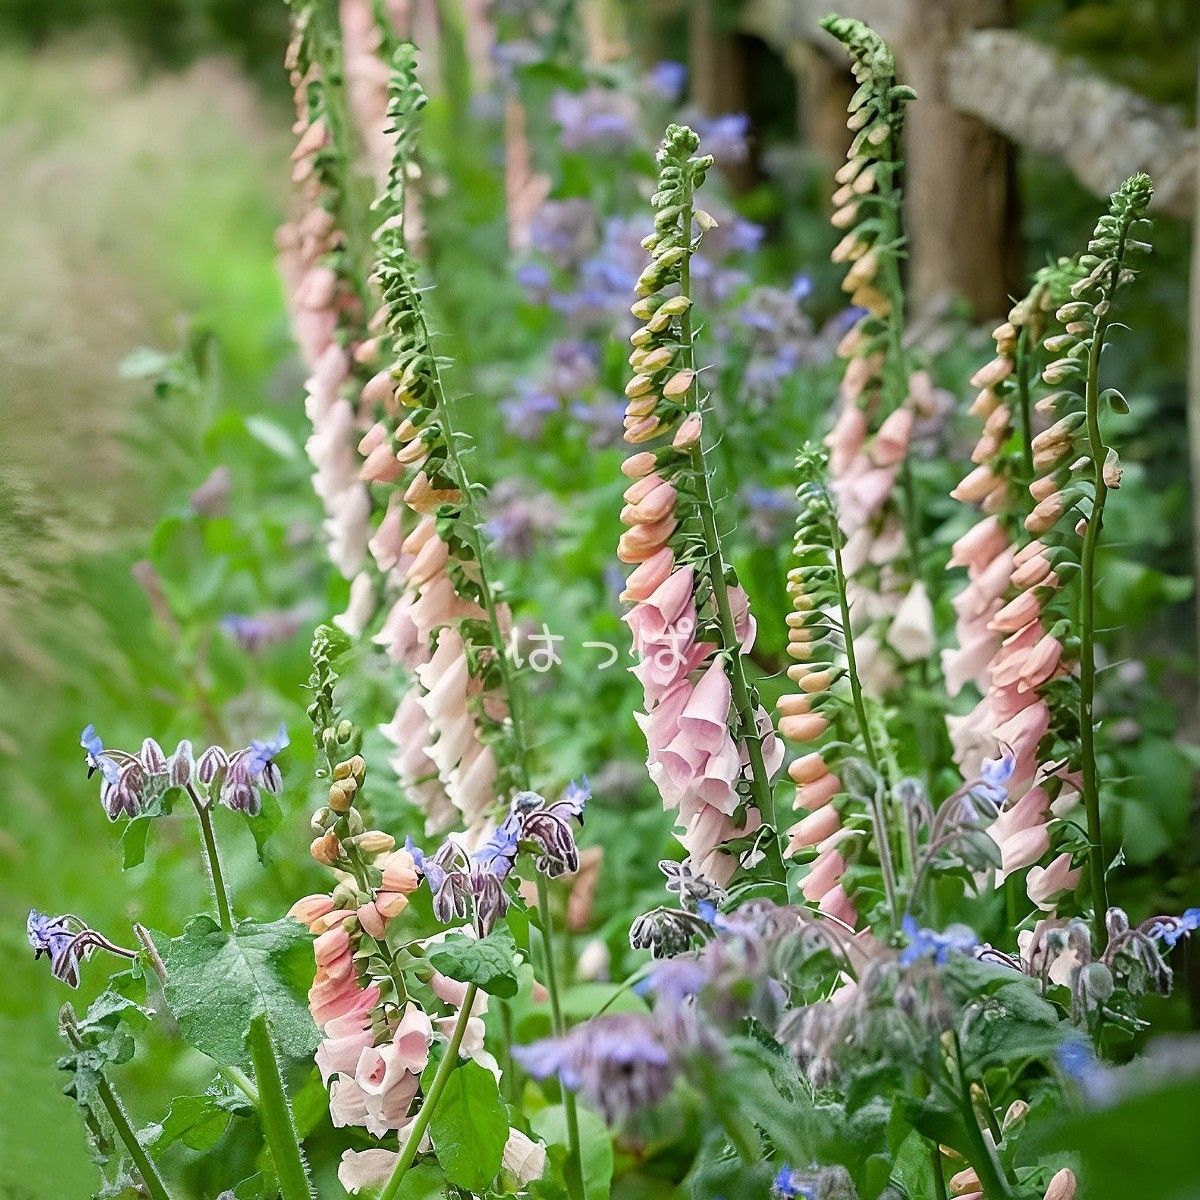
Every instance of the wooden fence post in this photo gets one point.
(961, 199)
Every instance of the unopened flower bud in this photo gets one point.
(375, 841)
(1062, 1186)
(965, 1181)
(341, 797)
(322, 819)
(1017, 1111)
(345, 731)
(326, 849)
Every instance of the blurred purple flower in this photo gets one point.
(526, 414)
(597, 118)
(617, 1063)
(725, 137)
(255, 632)
(564, 230)
(519, 521)
(668, 79)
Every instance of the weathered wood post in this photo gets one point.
(961, 201)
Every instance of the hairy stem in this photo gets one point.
(574, 1171)
(153, 1181)
(441, 1078)
(474, 522)
(275, 1115)
(717, 567)
(1097, 861)
(856, 693)
(212, 859)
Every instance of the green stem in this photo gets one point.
(153, 1181)
(240, 1081)
(1087, 645)
(474, 522)
(983, 1160)
(717, 567)
(1024, 360)
(275, 1115)
(440, 1079)
(574, 1171)
(856, 693)
(212, 858)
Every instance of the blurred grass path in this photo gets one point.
(126, 201)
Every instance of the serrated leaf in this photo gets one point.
(489, 962)
(218, 982)
(470, 1127)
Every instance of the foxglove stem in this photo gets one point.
(440, 1079)
(153, 1181)
(353, 199)
(474, 522)
(860, 707)
(760, 781)
(1024, 364)
(212, 857)
(1087, 642)
(275, 1115)
(574, 1172)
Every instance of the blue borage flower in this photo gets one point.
(618, 1063)
(471, 883)
(927, 943)
(131, 782)
(790, 1184)
(1172, 929)
(67, 941)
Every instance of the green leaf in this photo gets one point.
(425, 1181)
(1115, 399)
(217, 983)
(719, 1173)
(595, 1146)
(1113, 1143)
(489, 962)
(470, 1127)
(273, 436)
(912, 1170)
(1013, 1025)
(196, 1121)
(264, 826)
(133, 841)
(144, 363)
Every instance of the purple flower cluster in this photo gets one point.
(131, 783)
(471, 883)
(256, 632)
